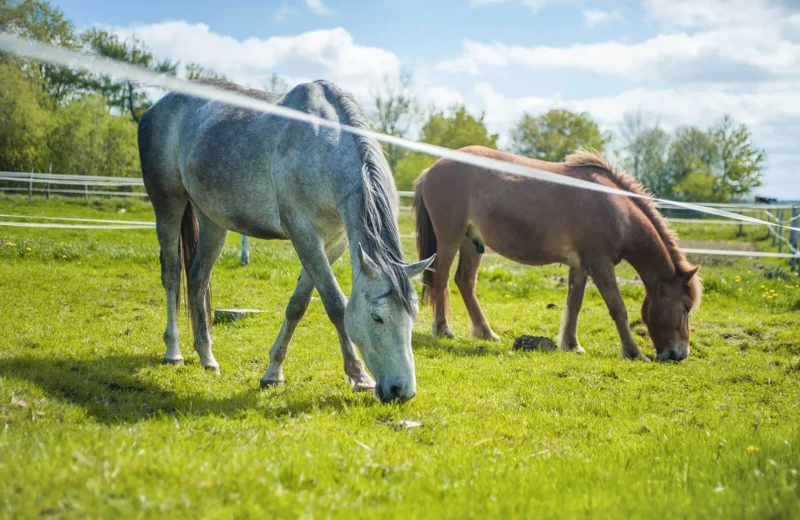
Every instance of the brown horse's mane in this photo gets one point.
(629, 183)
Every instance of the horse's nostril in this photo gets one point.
(394, 391)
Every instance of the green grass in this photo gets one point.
(91, 424)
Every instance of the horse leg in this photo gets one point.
(295, 310)
(568, 334)
(606, 282)
(209, 245)
(469, 261)
(315, 262)
(168, 225)
(445, 254)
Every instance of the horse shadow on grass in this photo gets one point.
(111, 391)
(432, 346)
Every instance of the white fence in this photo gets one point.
(88, 185)
(55, 183)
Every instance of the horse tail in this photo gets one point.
(426, 239)
(190, 230)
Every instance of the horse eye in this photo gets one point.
(377, 318)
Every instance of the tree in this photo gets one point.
(555, 134)
(396, 110)
(741, 163)
(25, 122)
(275, 84)
(87, 140)
(699, 184)
(455, 129)
(194, 71)
(125, 96)
(645, 148)
(38, 20)
(691, 150)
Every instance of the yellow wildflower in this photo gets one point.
(11, 244)
(28, 250)
(752, 449)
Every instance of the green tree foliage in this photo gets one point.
(87, 140)
(125, 96)
(275, 84)
(24, 122)
(646, 146)
(396, 111)
(41, 21)
(741, 163)
(555, 134)
(714, 165)
(194, 71)
(456, 129)
(453, 129)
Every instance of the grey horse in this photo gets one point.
(209, 167)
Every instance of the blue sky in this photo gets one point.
(678, 61)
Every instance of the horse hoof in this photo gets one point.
(176, 361)
(364, 385)
(269, 383)
(638, 356)
(212, 368)
(486, 336)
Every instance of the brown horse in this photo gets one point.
(463, 208)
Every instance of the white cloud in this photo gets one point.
(319, 8)
(772, 113)
(593, 17)
(673, 107)
(693, 13)
(734, 54)
(328, 54)
(442, 97)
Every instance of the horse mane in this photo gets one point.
(380, 198)
(646, 205)
(263, 95)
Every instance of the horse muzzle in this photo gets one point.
(394, 391)
(674, 353)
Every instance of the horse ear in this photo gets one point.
(368, 266)
(689, 274)
(414, 269)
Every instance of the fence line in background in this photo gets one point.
(775, 223)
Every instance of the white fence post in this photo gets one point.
(245, 256)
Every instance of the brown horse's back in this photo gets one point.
(526, 220)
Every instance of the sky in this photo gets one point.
(679, 62)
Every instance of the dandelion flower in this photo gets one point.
(11, 244)
(752, 449)
(28, 249)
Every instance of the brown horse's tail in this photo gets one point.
(190, 230)
(426, 239)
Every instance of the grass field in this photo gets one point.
(92, 425)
